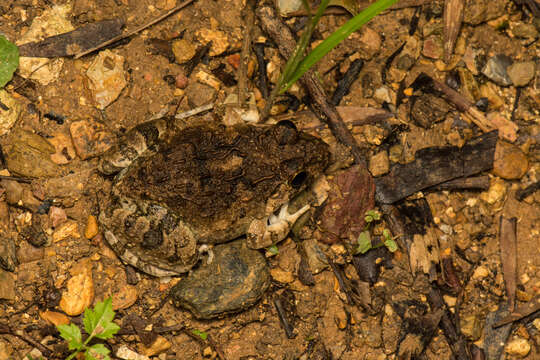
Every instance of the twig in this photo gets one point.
(21, 334)
(283, 38)
(136, 30)
(195, 111)
(249, 16)
(289, 331)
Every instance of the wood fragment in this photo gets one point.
(436, 165)
(495, 338)
(134, 31)
(344, 84)
(522, 311)
(508, 247)
(262, 76)
(67, 44)
(470, 183)
(249, 18)
(289, 330)
(283, 37)
(453, 17)
(523, 193)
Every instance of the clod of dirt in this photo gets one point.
(235, 279)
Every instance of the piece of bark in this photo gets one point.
(523, 193)
(436, 165)
(419, 332)
(508, 246)
(470, 183)
(522, 311)
(453, 17)
(495, 338)
(73, 42)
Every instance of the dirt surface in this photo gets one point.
(55, 261)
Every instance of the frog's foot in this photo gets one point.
(263, 233)
(151, 239)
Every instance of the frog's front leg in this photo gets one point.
(263, 233)
(137, 141)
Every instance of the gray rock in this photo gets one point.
(236, 278)
(521, 73)
(496, 69)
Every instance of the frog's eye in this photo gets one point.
(286, 132)
(299, 179)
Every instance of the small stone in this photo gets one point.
(219, 40)
(205, 78)
(159, 346)
(8, 113)
(450, 300)
(67, 229)
(369, 42)
(480, 11)
(27, 253)
(315, 257)
(524, 31)
(57, 216)
(54, 317)
(496, 192)
(480, 273)
(496, 69)
(91, 227)
(284, 277)
(433, 47)
(236, 279)
(518, 346)
(471, 327)
(395, 152)
(181, 80)
(234, 60)
(184, 50)
(90, 138)
(510, 162)
(207, 352)
(126, 353)
(7, 285)
(199, 94)
(489, 91)
(379, 164)
(80, 290)
(106, 75)
(507, 129)
(65, 152)
(521, 73)
(382, 94)
(124, 298)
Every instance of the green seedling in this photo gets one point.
(298, 64)
(200, 334)
(98, 323)
(9, 60)
(364, 239)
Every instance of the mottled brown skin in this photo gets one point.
(206, 185)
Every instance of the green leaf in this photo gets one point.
(389, 242)
(273, 250)
(97, 352)
(9, 60)
(72, 334)
(200, 334)
(98, 322)
(364, 242)
(335, 38)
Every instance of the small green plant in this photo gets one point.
(98, 323)
(364, 239)
(9, 60)
(200, 334)
(273, 249)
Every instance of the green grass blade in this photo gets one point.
(335, 38)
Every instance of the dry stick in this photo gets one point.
(282, 36)
(136, 30)
(5, 329)
(249, 16)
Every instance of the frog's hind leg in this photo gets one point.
(141, 139)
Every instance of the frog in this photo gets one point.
(178, 189)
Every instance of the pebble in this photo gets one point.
(471, 327)
(234, 60)
(480, 273)
(199, 94)
(27, 253)
(90, 138)
(521, 73)
(433, 47)
(518, 346)
(91, 227)
(106, 75)
(54, 317)
(369, 42)
(159, 345)
(183, 50)
(235, 280)
(284, 277)
(68, 229)
(79, 294)
(379, 164)
(524, 31)
(65, 152)
(57, 216)
(496, 192)
(8, 117)
(7, 285)
(315, 257)
(124, 298)
(496, 69)
(507, 129)
(181, 81)
(126, 353)
(510, 162)
(205, 78)
(480, 11)
(219, 40)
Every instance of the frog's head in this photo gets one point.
(303, 156)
